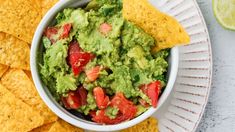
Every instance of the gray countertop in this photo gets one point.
(219, 115)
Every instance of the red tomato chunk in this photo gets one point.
(93, 73)
(78, 59)
(105, 28)
(75, 99)
(127, 111)
(101, 99)
(152, 90)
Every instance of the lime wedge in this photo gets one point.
(224, 11)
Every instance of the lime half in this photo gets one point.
(224, 11)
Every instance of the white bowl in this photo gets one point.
(62, 112)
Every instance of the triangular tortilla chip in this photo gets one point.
(19, 18)
(165, 29)
(15, 115)
(16, 81)
(14, 52)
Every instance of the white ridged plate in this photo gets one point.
(184, 108)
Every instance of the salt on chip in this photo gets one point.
(148, 125)
(43, 128)
(16, 81)
(15, 115)
(62, 126)
(19, 18)
(166, 30)
(3, 69)
(14, 52)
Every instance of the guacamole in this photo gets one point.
(100, 64)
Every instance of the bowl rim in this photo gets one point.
(64, 114)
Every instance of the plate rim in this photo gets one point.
(211, 64)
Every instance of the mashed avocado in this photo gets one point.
(111, 112)
(124, 52)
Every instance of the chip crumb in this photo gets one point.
(16, 81)
(22, 17)
(62, 126)
(14, 52)
(148, 125)
(166, 30)
(16, 116)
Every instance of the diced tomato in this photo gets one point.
(74, 48)
(100, 117)
(77, 58)
(93, 73)
(75, 99)
(56, 33)
(66, 29)
(82, 95)
(143, 103)
(152, 90)
(72, 101)
(105, 28)
(101, 99)
(126, 107)
(50, 33)
(127, 110)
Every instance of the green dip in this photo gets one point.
(125, 52)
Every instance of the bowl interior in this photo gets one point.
(72, 116)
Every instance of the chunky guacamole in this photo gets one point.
(100, 64)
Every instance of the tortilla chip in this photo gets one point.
(19, 18)
(36, 5)
(14, 52)
(46, 5)
(165, 29)
(48, 115)
(148, 125)
(16, 116)
(62, 126)
(16, 81)
(43, 128)
(3, 69)
(28, 73)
